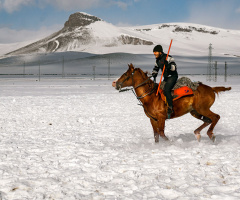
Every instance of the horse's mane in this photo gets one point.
(144, 74)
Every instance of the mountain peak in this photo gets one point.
(80, 19)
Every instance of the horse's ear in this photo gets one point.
(131, 67)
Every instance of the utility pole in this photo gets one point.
(226, 71)
(209, 68)
(63, 75)
(94, 72)
(39, 71)
(215, 66)
(108, 68)
(24, 65)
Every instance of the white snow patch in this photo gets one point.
(81, 139)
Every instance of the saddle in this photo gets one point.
(178, 93)
(183, 87)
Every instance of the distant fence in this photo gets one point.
(57, 68)
(212, 75)
(71, 65)
(102, 66)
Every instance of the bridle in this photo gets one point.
(126, 79)
(134, 88)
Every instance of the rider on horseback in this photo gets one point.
(170, 74)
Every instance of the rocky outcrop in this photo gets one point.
(80, 19)
(126, 39)
(183, 29)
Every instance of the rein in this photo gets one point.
(141, 96)
(141, 84)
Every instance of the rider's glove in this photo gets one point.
(154, 73)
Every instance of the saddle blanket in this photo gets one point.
(183, 81)
(183, 87)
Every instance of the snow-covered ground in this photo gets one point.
(80, 139)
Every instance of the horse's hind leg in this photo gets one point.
(212, 119)
(206, 121)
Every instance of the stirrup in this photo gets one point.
(169, 112)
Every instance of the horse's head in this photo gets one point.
(126, 79)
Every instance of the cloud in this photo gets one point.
(13, 36)
(121, 5)
(13, 5)
(73, 4)
(238, 10)
(67, 5)
(215, 13)
(86, 4)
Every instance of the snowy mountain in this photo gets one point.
(86, 33)
(79, 32)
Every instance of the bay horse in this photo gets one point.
(155, 108)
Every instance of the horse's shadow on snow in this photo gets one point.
(190, 137)
(189, 140)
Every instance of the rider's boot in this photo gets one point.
(169, 112)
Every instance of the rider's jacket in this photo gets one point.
(170, 66)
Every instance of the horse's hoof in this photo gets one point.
(165, 138)
(213, 138)
(198, 137)
(114, 84)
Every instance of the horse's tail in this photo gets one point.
(221, 89)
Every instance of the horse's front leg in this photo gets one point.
(158, 129)
(155, 130)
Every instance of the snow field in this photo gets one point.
(81, 139)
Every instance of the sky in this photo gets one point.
(29, 20)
